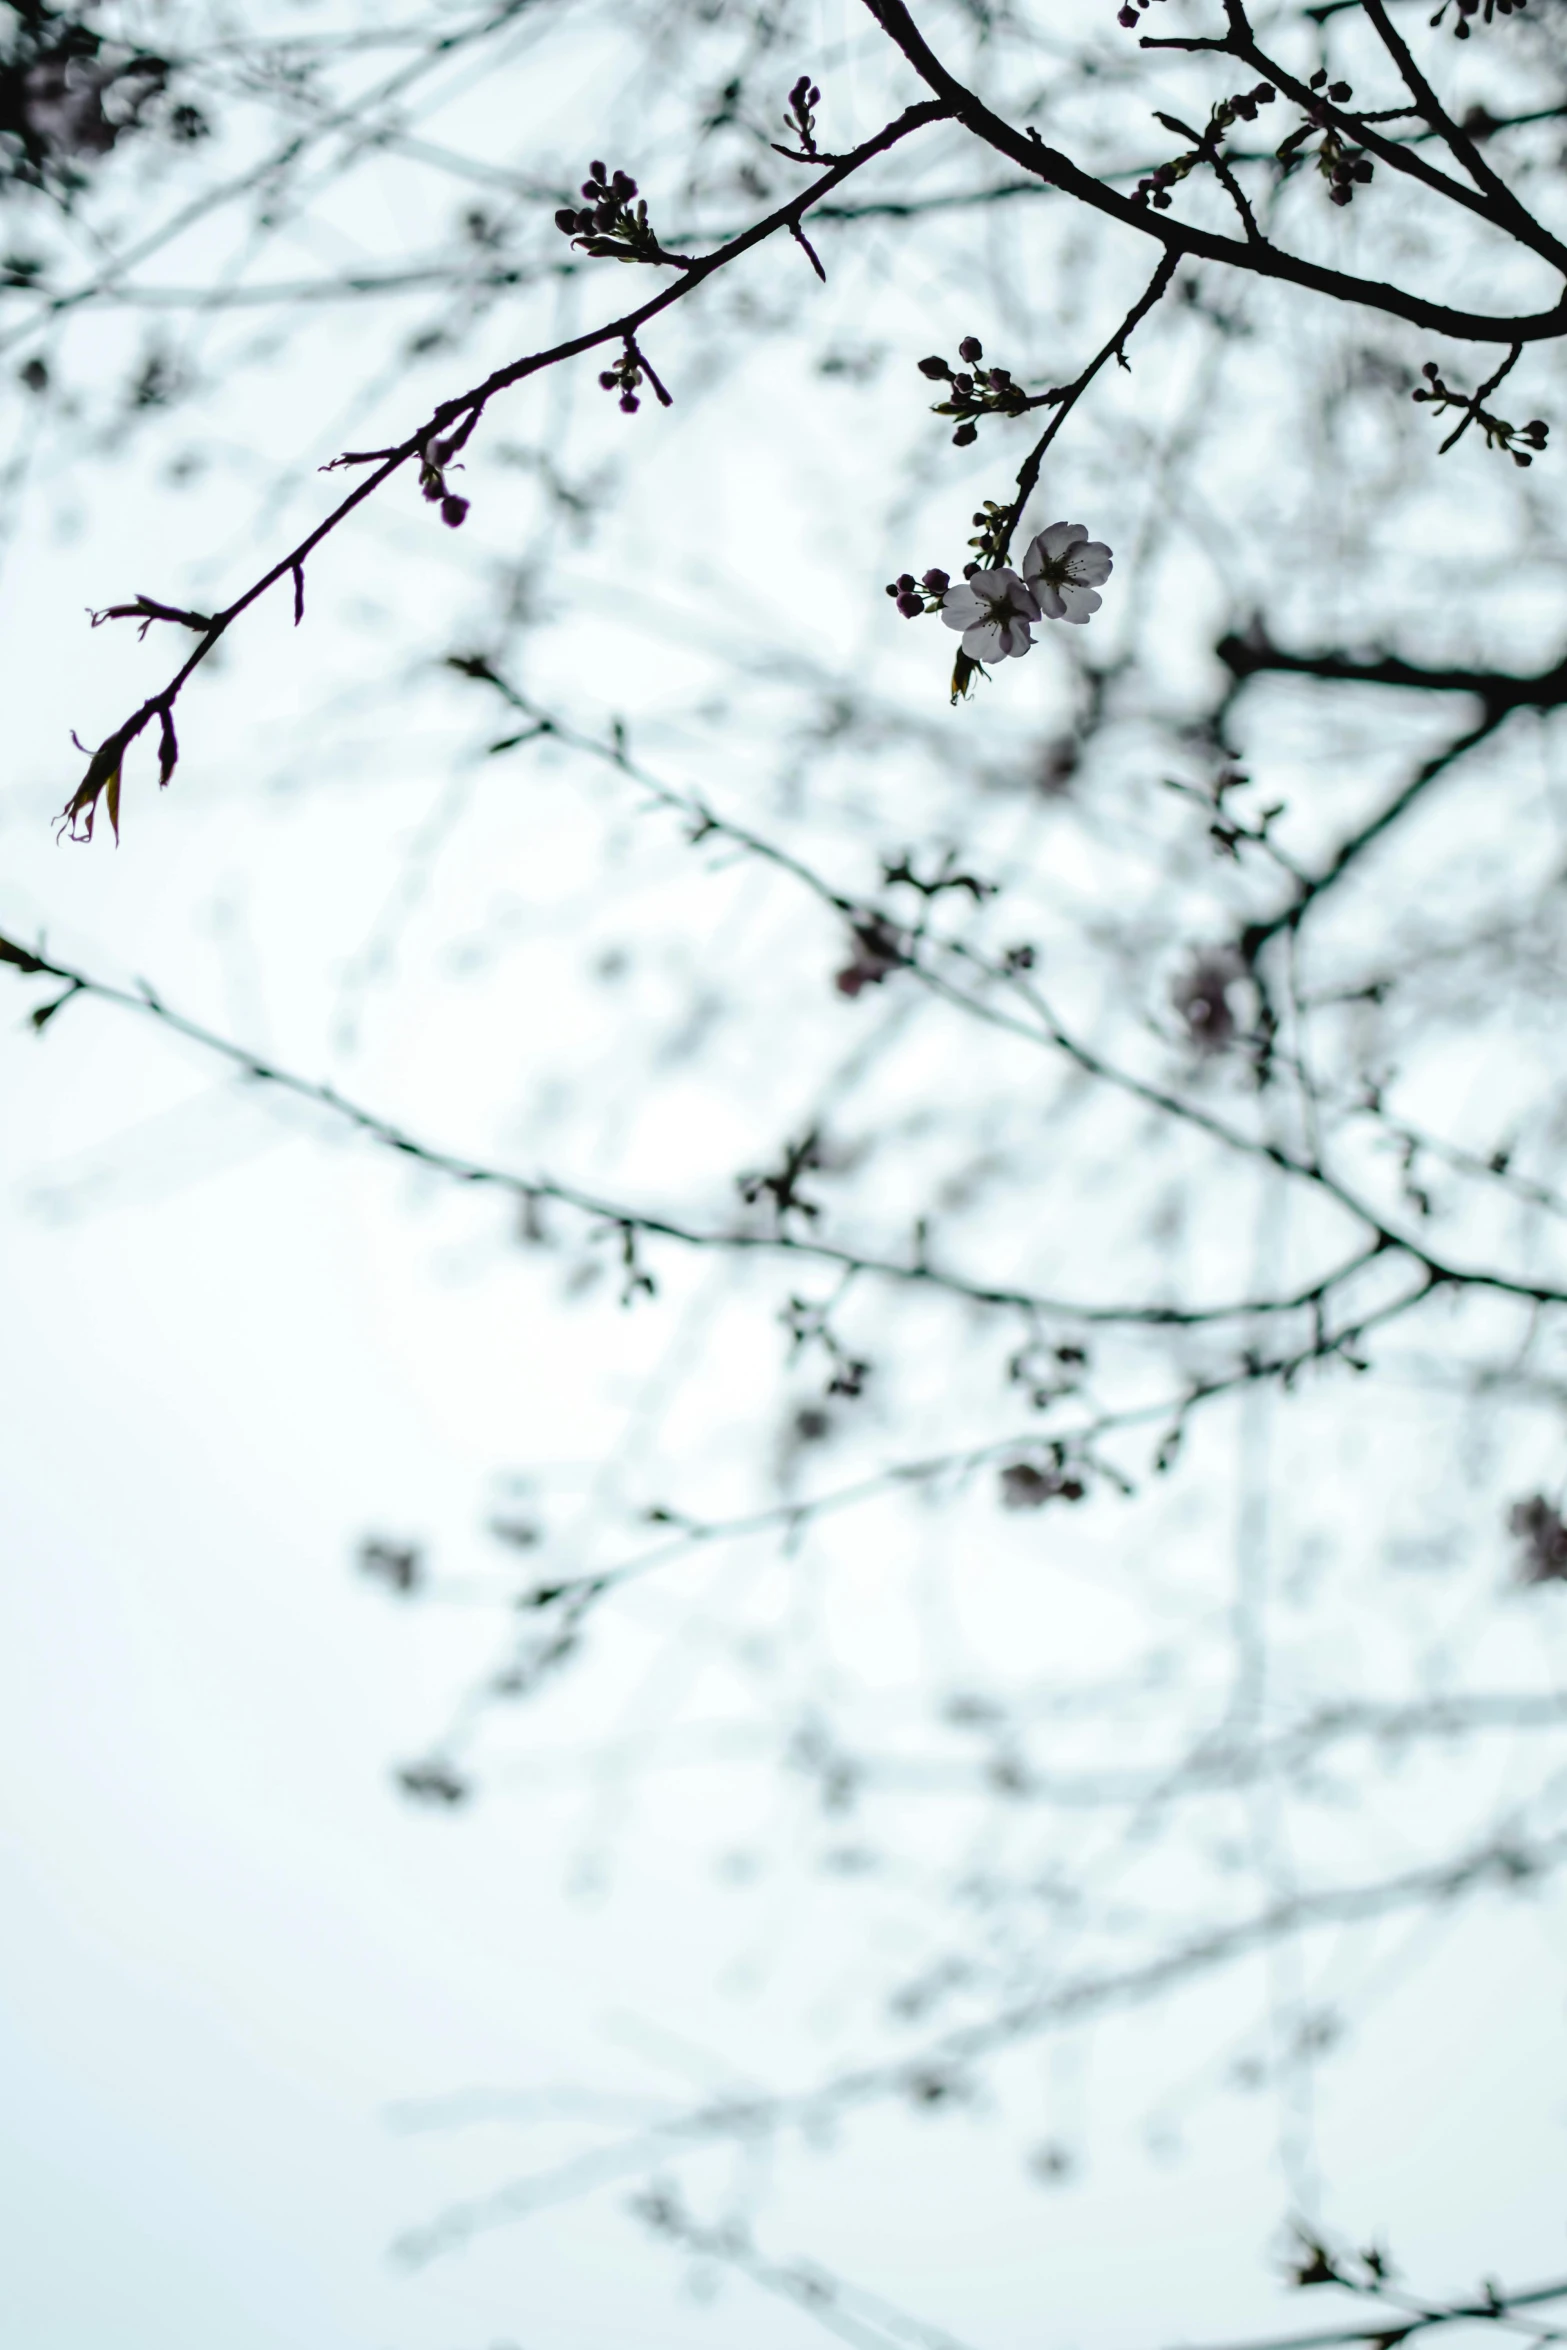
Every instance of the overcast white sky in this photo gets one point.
(236, 1969)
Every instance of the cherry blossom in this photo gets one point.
(1064, 566)
(993, 609)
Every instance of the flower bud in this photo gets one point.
(937, 582)
(566, 222)
(905, 583)
(630, 403)
(971, 349)
(935, 369)
(911, 607)
(454, 512)
(964, 434)
(597, 169)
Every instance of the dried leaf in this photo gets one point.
(102, 780)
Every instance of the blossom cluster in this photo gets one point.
(995, 610)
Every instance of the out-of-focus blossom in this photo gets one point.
(1201, 996)
(1539, 1529)
(1024, 1487)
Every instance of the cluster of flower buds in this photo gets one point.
(1499, 434)
(1468, 8)
(625, 377)
(434, 459)
(800, 120)
(1223, 118)
(993, 529)
(1129, 16)
(608, 226)
(976, 391)
(916, 596)
(1159, 182)
(1343, 166)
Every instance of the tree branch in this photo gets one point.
(455, 419)
(1498, 692)
(1047, 163)
(616, 1215)
(751, 2119)
(1028, 472)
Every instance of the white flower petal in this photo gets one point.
(1018, 639)
(961, 608)
(1091, 564)
(985, 643)
(1054, 540)
(1050, 604)
(1079, 602)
